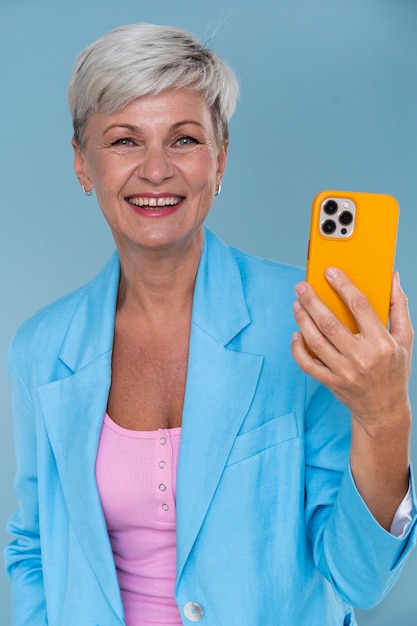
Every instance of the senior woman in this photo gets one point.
(175, 463)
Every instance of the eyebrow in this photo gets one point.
(184, 122)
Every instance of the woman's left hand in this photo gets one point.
(368, 372)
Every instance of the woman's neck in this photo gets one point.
(157, 283)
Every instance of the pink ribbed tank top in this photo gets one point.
(136, 477)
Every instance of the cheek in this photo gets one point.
(108, 173)
(103, 175)
(204, 172)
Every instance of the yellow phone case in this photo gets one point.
(365, 252)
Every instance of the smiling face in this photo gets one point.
(155, 166)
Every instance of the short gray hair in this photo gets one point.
(145, 59)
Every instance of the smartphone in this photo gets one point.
(357, 233)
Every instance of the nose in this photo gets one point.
(156, 166)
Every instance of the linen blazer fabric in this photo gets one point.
(271, 530)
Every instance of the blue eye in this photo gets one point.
(186, 141)
(123, 142)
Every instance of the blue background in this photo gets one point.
(328, 100)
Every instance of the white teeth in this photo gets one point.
(153, 202)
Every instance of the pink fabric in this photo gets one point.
(136, 477)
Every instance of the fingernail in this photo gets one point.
(300, 288)
(296, 307)
(332, 272)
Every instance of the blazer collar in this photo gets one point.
(219, 303)
(218, 289)
(90, 332)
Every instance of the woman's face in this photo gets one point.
(155, 166)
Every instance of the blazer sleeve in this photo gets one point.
(23, 555)
(354, 553)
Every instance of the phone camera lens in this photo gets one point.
(330, 207)
(346, 218)
(328, 227)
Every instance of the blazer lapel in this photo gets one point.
(73, 409)
(221, 384)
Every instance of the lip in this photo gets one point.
(160, 211)
(161, 194)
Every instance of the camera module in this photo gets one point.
(337, 217)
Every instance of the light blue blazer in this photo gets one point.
(271, 530)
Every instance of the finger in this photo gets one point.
(366, 319)
(309, 365)
(400, 323)
(321, 330)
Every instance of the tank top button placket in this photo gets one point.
(162, 473)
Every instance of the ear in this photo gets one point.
(222, 160)
(81, 166)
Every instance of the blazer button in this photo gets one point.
(193, 611)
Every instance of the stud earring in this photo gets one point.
(87, 193)
(219, 189)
